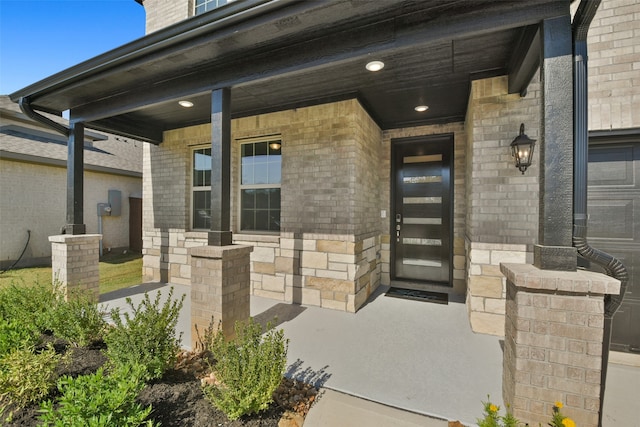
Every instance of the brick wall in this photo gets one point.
(502, 203)
(553, 342)
(614, 66)
(74, 264)
(328, 250)
(162, 13)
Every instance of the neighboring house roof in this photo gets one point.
(21, 138)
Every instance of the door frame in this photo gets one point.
(448, 141)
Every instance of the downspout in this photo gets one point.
(25, 106)
(612, 266)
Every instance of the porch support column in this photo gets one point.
(220, 234)
(554, 250)
(75, 180)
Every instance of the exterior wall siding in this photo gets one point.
(34, 198)
(327, 253)
(614, 66)
(502, 203)
(162, 13)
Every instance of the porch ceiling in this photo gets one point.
(288, 53)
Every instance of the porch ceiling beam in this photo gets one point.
(143, 131)
(525, 60)
(320, 53)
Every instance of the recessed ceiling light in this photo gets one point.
(421, 108)
(186, 104)
(374, 65)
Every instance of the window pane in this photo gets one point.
(247, 170)
(248, 220)
(262, 199)
(202, 167)
(274, 199)
(248, 199)
(275, 170)
(274, 221)
(261, 148)
(247, 150)
(261, 173)
(260, 207)
(201, 210)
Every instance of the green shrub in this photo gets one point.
(27, 377)
(98, 400)
(30, 306)
(14, 336)
(248, 369)
(148, 337)
(78, 320)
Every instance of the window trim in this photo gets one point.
(205, 2)
(192, 188)
(240, 187)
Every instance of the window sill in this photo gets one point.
(240, 237)
(263, 238)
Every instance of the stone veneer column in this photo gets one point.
(553, 342)
(74, 263)
(220, 288)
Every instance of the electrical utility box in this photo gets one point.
(104, 209)
(115, 201)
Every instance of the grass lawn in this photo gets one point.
(116, 272)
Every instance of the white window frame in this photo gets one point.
(193, 188)
(241, 186)
(207, 4)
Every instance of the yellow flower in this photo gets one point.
(493, 408)
(568, 422)
(558, 405)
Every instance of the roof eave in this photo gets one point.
(181, 32)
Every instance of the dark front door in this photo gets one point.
(614, 226)
(421, 218)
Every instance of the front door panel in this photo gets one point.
(421, 221)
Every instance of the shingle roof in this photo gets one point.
(22, 138)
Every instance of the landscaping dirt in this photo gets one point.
(177, 399)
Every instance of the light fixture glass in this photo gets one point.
(185, 104)
(522, 150)
(421, 108)
(374, 65)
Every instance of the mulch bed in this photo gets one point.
(177, 398)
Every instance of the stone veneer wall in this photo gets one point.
(459, 197)
(502, 203)
(487, 285)
(328, 251)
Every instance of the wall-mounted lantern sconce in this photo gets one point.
(522, 149)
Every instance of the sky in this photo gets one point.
(39, 38)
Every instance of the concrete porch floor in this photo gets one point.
(396, 359)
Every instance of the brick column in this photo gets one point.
(553, 342)
(220, 287)
(74, 262)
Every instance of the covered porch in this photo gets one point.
(401, 360)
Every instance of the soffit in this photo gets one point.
(298, 54)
